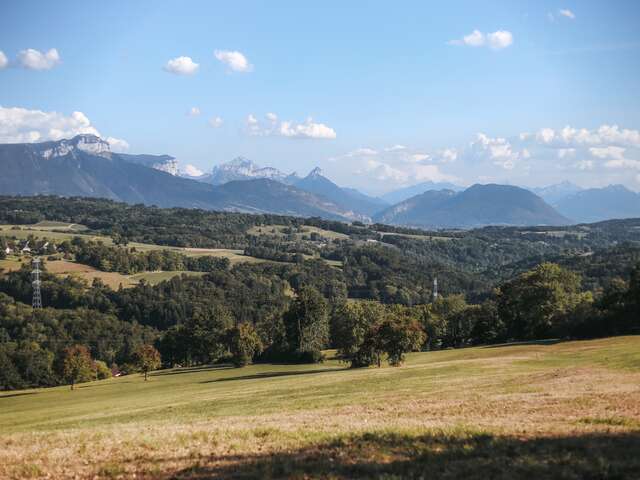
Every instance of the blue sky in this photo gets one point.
(349, 82)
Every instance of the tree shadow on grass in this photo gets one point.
(182, 370)
(10, 395)
(438, 456)
(551, 341)
(257, 376)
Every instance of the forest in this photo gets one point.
(364, 290)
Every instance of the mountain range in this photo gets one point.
(85, 166)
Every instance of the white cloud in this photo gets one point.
(616, 153)
(448, 155)
(545, 135)
(236, 61)
(182, 66)
(382, 171)
(584, 165)
(37, 60)
(500, 39)
(566, 152)
(567, 13)
(308, 129)
(274, 127)
(474, 39)
(394, 148)
(20, 125)
(216, 122)
(192, 171)
(419, 157)
(602, 136)
(497, 40)
(117, 144)
(4, 61)
(623, 163)
(498, 150)
(193, 112)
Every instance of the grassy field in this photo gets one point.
(543, 410)
(113, 279)
(277, 231)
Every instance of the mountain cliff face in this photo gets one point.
(241, 168)
(164, 163)
(477, 206)
(596, 204)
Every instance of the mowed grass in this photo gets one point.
(540, 410)
(112, 279)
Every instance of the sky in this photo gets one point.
(378, 94)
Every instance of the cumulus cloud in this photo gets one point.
(603, 135)
(193, 112)
(272, 126)
(192, 171)
(603, 155)
(215, 122)
(37, 60)
(498, 150)
(497, 40)
(611, 152)
(394, 166)
(181, 66)
(234, 60)
(20, 125)
(117, 144)
(394, 148)
(4, 61)
(565, 12)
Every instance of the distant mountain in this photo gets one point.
(241, 168)
(347, 198)
(554, 193)
(164, 163)
(596, 204)
(477, 206)
(402, 194)
(263, 195)
(85, 166)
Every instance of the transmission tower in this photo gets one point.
(435, 289)
(35, 275)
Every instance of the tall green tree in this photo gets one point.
(147, 358)
(537, 303)
(244, 344)
(307, 322)
(354, 322)
(399, 334)
(78, 365)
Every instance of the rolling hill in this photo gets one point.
(477, 206)
(547, 407)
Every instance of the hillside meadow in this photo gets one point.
(536, 410)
